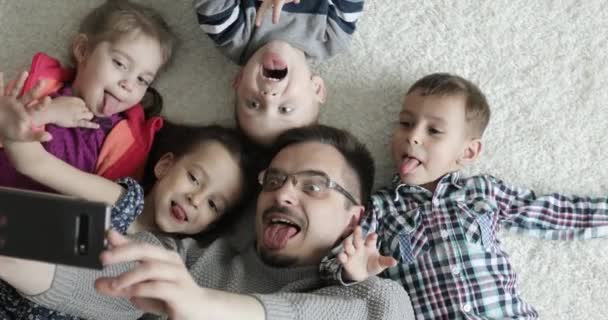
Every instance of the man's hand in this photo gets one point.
(69, 112)
(16, 123)
(276, 5)
(159, 284)
(360, 258)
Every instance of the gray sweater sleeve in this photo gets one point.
(373, 299)
(320, 28)
(72, 290)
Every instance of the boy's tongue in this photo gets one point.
(273, 61)
(277, 234)
(110, 104)
(407, 165)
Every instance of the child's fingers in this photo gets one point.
(41, 136)
(31, 94)
(342, 258)
(349, 248)
(261, 12)
(371, 239)
(358, 237)
(16, 89)
(276, 11)
(386, 262)
(83, 123)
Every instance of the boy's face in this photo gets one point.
(276, 91)
(431, 139)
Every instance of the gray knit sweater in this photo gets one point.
(232, 264)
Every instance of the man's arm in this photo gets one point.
(71, 290)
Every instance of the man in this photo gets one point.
(310, 200)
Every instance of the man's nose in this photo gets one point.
(287, 194)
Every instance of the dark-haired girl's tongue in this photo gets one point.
(276, 235)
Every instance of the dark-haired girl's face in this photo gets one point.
(195, 190)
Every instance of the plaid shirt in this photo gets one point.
(450, 260)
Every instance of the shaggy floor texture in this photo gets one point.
(541, 63)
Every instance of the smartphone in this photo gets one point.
(52, 228)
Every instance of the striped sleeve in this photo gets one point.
(225, 22)
(553, 216)
(320, 28)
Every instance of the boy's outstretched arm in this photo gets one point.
(552, 216)
(360, 258)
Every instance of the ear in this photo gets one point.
(471, 152)
(356, 213)
(80, 47)
(237, 79)
(319, 86)
(163, 165)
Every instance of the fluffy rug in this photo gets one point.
(541, 63)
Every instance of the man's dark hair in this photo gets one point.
(357, 156)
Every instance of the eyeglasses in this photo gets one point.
(314, 183)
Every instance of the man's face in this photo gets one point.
(276, 91)
(295, 226)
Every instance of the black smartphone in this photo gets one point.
(52, 228)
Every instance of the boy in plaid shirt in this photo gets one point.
(437, 230)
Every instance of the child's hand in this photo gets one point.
(69, 112)
(277, 6)
(15, 122)
(361, 259)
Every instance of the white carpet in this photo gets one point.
(541, 63)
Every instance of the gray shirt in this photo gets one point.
(231, 263)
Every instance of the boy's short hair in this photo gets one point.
(477, 110)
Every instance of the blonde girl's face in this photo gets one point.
(113, 76)
(195, 190)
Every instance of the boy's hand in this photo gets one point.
(361, 259)
(15, 122)
(276, 5)
(69, 112)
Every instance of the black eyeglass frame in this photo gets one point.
(331, 184)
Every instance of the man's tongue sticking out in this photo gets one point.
(276, 235)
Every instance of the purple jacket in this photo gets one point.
(78, 147)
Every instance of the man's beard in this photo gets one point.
(276, 260)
